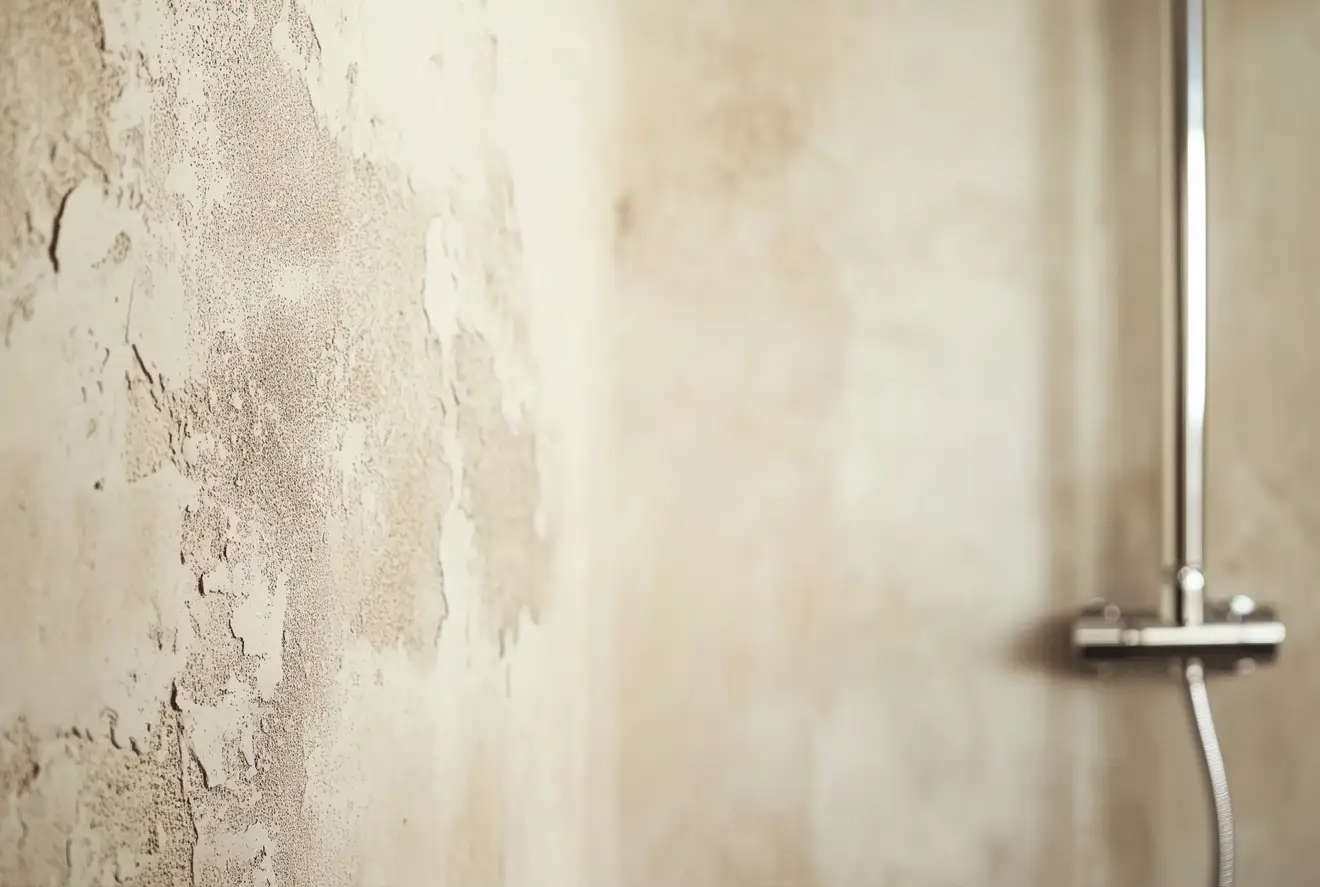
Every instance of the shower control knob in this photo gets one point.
(1241, 606)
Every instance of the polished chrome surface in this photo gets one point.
(1230, 635)
(1226, 640)
(1189, 591)
(1234, 633)
(1188, 399)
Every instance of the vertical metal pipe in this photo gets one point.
(1188, 398)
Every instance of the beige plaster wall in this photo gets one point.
(634, 443)
(284, 467)
(884, 397)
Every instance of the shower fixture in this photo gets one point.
(1192, 631)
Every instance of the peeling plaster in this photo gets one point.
(488, 443)
(255, 492)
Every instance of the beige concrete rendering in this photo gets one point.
(632, 444)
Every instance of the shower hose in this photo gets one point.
(1216, 776)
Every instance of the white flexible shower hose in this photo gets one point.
(1216, 776)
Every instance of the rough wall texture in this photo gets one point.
(278, 498)
(629, 443)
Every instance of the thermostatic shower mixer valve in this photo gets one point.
(1233, 634)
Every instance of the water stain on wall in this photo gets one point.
(53, 137)
(500, 472)
(728, 332)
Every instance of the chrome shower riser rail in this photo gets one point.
(1186, 432)
(1196, 633)
(1223, 634)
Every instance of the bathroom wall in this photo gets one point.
(284, 467)
(633, 443)
(884, 399)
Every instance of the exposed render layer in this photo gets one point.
(631, 443)
(278, 497)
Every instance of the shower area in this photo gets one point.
(631, 443)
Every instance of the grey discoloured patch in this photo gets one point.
(149, 437)
(732, 118)
(18, 760)
(204, 537)
(286, 275)
(726, 388)
(119, 250)
(296, 264)
(86, 811)
(502, 485)
(54, 88)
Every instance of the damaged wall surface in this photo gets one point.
(629, 443)
(279, 498)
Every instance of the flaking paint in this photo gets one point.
(275, 544)
(628, 443)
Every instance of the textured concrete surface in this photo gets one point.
(631, 443)
(279, 499)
